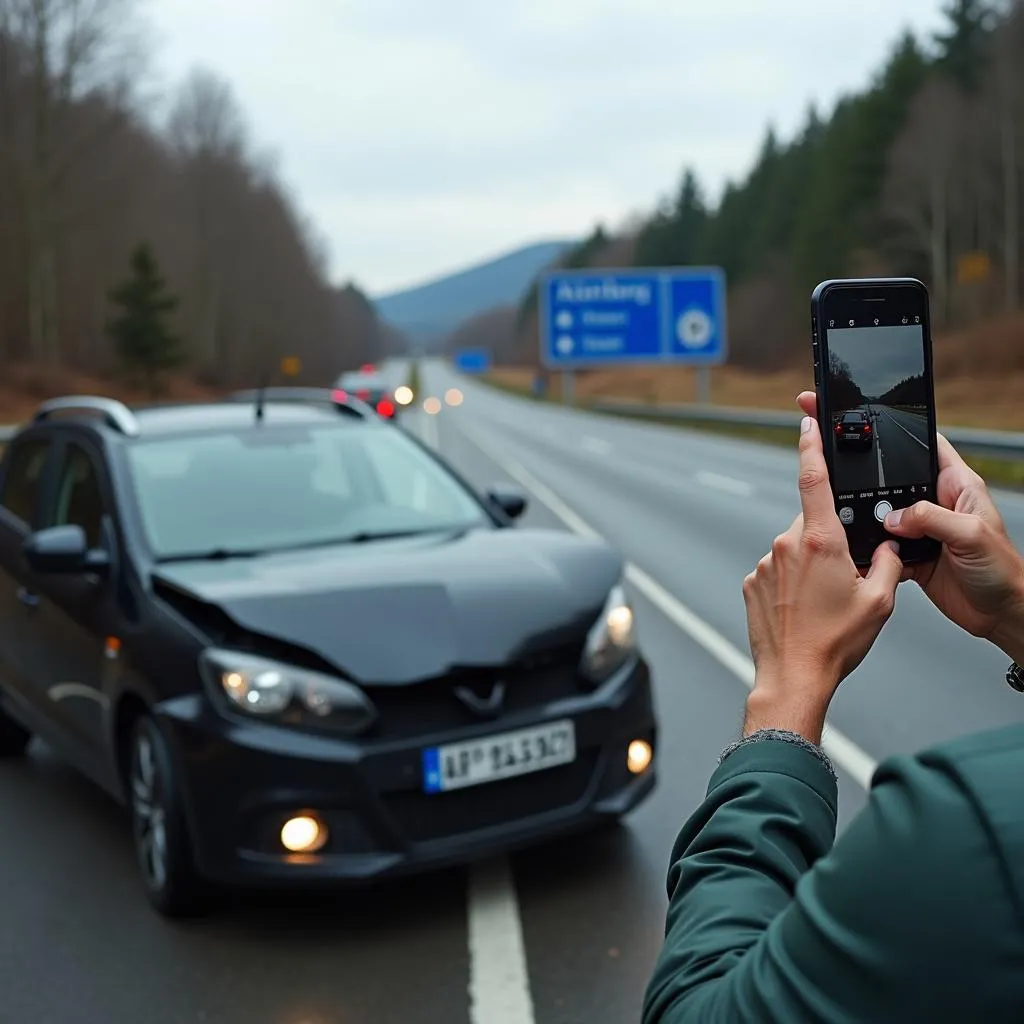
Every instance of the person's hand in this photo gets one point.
(978, 579)
(811, 615)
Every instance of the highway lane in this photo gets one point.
(897, 455)
(696, 511)
(79, 944)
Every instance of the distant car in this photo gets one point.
(370, 386)
(302, 649)
(853, 430)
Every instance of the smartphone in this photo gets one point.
(872, 346)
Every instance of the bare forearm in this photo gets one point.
(801, 711)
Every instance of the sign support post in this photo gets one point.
(704, 385)
(568, 387)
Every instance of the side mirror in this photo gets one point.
(510, 500)
(63, 549)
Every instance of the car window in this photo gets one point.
(79, 495)
(23, 479)
(282, 487)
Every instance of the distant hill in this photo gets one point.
(430, 311)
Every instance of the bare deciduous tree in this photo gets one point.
(59, 54)
(921, 192)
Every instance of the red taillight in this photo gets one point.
(867, 429)
(338, 395)
(385, 408)
(368, 368)
(839, 428)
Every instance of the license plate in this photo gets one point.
(853, 437)
(489, 758)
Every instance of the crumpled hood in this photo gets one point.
(402, 610)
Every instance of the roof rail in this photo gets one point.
(115, 414)
(339, 400)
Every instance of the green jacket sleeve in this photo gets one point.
(902, 920)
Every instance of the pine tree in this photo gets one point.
(145, 345)
(962, 45)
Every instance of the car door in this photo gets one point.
(77, 612)
(28, 465)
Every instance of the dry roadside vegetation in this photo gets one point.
(979, 380)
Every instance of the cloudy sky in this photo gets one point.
(420, 136)
(879, 357)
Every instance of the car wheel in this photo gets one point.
(14, 739)
(158, 825)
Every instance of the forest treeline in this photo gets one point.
(918, 174)
(87, 175)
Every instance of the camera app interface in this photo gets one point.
(880, 432)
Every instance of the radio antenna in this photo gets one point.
(261, 395)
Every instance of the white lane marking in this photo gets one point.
(878, 451)
(595, 445)
(843, 751)
(724, 483)
(499, 982)
(893, 419)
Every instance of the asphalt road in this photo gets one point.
(897, 455)
(564, 934)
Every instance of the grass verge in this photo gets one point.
(1001, 472)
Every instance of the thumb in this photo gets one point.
(925, 519)
(886, 570)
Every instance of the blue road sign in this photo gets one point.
(473, 360)
(603, 317)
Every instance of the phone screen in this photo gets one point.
(878, 396)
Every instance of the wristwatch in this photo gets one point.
(1015, 677)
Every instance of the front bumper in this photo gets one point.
(241, 780)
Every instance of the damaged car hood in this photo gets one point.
(402, 610)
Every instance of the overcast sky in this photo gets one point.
(879, 357)
(423, 135)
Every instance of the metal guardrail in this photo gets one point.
(995, 444)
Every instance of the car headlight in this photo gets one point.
(287, 694)
(611, 641)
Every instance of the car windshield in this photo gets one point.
(275, 488)
(854, 417)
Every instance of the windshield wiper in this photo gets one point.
(363, 536)
(213, 555)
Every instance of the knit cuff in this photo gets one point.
(786, 737)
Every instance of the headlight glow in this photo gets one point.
(293, 696)
(611, 640)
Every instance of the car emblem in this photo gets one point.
(484, 707)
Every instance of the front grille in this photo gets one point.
(419, 709)
(426, 816)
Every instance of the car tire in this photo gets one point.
(162, 845)
(14, 738)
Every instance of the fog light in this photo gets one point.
(303, 834)
(638, 756)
